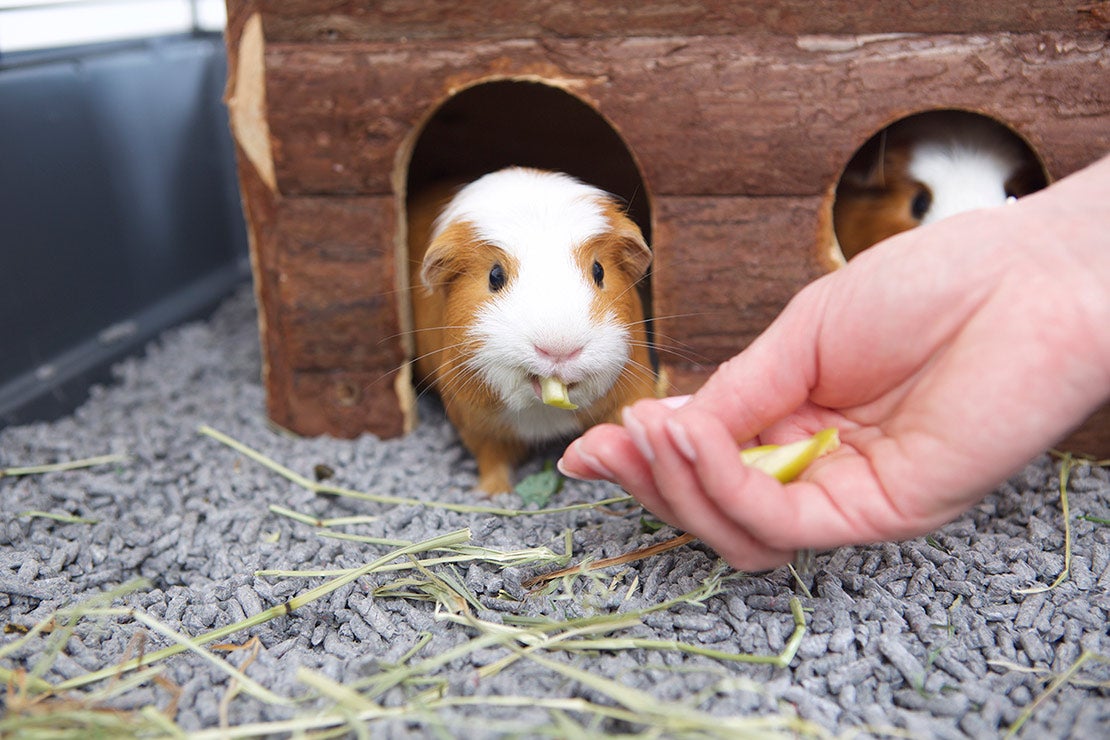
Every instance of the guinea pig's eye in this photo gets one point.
(921, 203)
(496, 277)
(599, 273)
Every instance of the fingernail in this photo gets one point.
(560, 465)
(681, 440)
(638, 433)
(568, 473)
(562, 469)
(593, 465)
(675, 402)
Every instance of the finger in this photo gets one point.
(678, 486)
(770, 378)
(582, 463)
(607, 452)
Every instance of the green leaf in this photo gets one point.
(538, 488)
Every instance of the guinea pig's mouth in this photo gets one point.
(538, 390)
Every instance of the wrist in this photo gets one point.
(1065, 231)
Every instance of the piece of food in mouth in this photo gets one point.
(786, 462)
(554, 393)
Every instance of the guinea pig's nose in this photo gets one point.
(555, 353)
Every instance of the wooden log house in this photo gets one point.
(725, 125)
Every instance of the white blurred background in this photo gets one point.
(27, 25)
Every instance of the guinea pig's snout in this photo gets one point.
(557, 354)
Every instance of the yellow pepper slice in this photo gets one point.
(554, 393)
(786, 462)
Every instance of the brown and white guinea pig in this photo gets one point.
(928, 167)
(524, 277)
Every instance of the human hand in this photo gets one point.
(947, 357)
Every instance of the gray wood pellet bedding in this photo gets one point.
(929, 637)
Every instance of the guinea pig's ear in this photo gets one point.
(869, 167)
(635, 253)
(864, 172)
(443, 260)
(632, 250)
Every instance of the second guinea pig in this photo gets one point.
(925, 168)
(524, 289)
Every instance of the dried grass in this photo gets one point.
(81, 706)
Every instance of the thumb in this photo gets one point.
(772, 377)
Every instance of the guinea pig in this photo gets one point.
(925, 168)
(524, 290)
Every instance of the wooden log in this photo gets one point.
(338, 284)
(336, 316)
(259, 198)
(714, 117)
(753, 115)
(339, 20)
(726, 266)
(339, 403)
(324, 272)
(1092, 437)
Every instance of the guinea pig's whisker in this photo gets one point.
(616, 300)
(683, 354)
(453, 379)
(443, 349)
(460, 376)
(662, 341)
(414, 332)
(635, 370)
(654, 342)
(661, 317)
(667, 343)
(420, 330)
(389, 374)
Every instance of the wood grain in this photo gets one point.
(338, 288)
(336, 315)
(726, 266)
(340, 403)
(752, 115)
(341, 20)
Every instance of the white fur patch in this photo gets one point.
(540, 323)
(963, 175)
(522, 210)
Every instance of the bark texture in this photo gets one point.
(738, 116)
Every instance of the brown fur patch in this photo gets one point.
(625, 257)
(455, 279)
(449, 283)
(874, 198)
